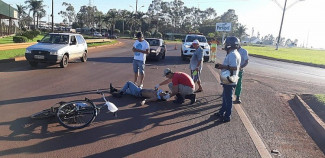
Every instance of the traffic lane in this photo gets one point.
(172, 130)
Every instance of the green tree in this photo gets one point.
(69, 14)
(37, 7)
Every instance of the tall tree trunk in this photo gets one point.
(37, 20)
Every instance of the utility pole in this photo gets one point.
(284, 10)
(136, 7)
(52, 17)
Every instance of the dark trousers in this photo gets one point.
(227, 100)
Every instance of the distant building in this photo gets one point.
(10, 13)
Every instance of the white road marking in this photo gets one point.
(259, 144)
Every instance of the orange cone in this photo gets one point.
(175, 47)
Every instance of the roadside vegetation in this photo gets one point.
(9, 40)
(293, 54)
(9, 54)
(320, 98)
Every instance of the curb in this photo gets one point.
(22, 58)
(314, 126)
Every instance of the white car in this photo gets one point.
(57, 48)
(188, 50)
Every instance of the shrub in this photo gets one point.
(128, 32)
(117, 31)
(158, 35)
(147, 34)
(20, 39)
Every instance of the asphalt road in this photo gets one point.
(160, 129)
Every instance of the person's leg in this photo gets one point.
(228, 91)
(135, 70)
(142, 73)
(239, 86)
(223, 106)
(131, 88)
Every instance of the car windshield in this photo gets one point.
(55, 39)
(192, 38)
(153, 42)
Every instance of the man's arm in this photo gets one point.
(226, 67)
(148, 100)
(245, 64)
(165, 82)
(141, 51)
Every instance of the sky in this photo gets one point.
(304, 19)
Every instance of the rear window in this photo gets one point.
(80, 39)
(192, 38)
(153, 42)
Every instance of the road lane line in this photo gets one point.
(259, 144)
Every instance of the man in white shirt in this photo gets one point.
(140, 50)
(231, 64)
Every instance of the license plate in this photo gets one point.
(39, 56)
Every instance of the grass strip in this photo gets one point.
(8, 40)
(320, 98)
(101, 43)
(293, 54)
(9, 54)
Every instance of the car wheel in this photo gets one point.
(84, 57)
(64, 62)
(33, 63)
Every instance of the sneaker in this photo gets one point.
(226, 119)
(191, 97)
(112, 89)
(179, 100)
(141, 86)
(218, 114)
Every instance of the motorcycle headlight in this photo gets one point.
(187, 46)
(53, 53)
(153, 51)
(28, 51)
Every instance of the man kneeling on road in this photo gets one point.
(181, 85)
(132, 89)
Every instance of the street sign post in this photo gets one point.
(223, 27)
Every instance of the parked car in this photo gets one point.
(112, 36)
(188, 50)
(97, 34)
(57, 48)
(157, 48)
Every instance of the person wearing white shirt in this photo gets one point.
(140, 50)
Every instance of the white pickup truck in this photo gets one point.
(187, 48)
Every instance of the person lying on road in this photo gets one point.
(132, 89)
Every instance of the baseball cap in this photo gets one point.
(196, 42)
(167, 71)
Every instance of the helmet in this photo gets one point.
(231, 42)
(226, 77)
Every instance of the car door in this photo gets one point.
(73, 47)
(82, 45)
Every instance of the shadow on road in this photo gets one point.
(130, 120)
(46, 97)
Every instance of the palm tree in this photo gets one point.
(37, 7)
(112, 16)
(241, 31)
(21, 12)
